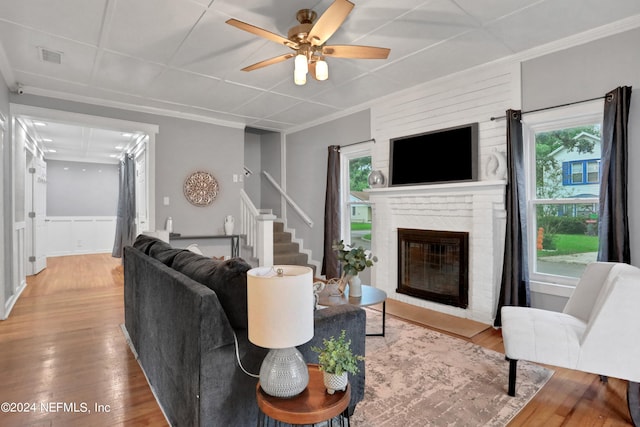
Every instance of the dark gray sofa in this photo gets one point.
(181, 311)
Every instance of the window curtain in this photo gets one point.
(514, 289)
(330, 263)
(125, 221)
(613, 227)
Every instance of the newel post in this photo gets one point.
(264, 239)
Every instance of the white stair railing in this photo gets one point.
(257, 228)
(289, 200)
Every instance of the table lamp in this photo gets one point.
(280, 317)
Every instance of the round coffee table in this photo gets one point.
(370, 296)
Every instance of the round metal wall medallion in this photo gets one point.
(200, 188)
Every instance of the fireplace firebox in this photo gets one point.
(433, 265)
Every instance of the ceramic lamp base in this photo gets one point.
(284, 373)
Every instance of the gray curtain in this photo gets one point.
(514, 289)
(330, 263)
(613, 227)
(125, 222)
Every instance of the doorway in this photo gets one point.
(79, 140)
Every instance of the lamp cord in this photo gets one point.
(235, 339)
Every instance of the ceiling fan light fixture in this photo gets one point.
(301, 65)
(322, 70)
(299, 78)
(308, 39)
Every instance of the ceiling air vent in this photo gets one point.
(48, 55)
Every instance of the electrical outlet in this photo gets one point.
(235, 177)
(165, 201)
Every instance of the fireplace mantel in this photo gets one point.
(454, 187)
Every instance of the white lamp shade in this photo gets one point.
(280, 308)
(322, 70)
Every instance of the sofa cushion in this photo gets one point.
(145, 244)
(226, 278)
(156, 248)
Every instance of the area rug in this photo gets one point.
(419, 377)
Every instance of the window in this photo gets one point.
(593, 171)
(357, 216)
(563, 162)
(576, 173)
(580, 172)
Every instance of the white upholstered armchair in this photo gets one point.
(598, 331)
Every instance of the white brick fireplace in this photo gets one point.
(473, 207)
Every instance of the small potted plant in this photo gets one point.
(353, 261)
(335, 360)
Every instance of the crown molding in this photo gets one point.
(132, 107)
(621, 26)
(81, 119)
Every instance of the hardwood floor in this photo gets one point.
(62, 345)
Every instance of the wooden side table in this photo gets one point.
(313, 405)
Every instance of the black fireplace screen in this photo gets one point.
(433, 265)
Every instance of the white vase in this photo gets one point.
(335, 382)
(355, 288)
(228, 225)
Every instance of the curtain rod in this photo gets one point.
(359, 142)
(557, 106)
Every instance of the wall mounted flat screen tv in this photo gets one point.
(445, 155)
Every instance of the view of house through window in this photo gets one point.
(358, 202)
(564, 202)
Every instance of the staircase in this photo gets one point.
(286, 252)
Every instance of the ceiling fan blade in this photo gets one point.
(262, 33)
(357, 52)
(267, 62)
(329, 22)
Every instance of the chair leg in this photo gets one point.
(633, 400)
(512, 377)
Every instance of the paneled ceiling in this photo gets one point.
(179, 56)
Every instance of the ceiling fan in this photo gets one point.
(308, 41)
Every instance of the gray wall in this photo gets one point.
(182, 147)
(271, 161)
(81, 189)
(588, 71)
(262, 152)
(306, 171)
(252, 161)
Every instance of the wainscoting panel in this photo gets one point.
(80, 235)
